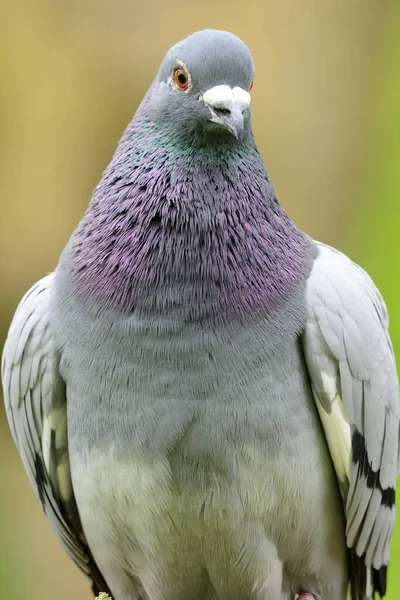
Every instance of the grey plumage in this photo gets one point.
(36, 407)
(166, 385)
(353, 376)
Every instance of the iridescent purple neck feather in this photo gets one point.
(190, 224)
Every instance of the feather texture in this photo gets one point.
(36, 407)
(353, 376)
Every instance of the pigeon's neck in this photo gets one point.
(191, 228)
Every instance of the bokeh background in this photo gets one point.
(326, 110)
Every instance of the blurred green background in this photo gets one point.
(326, 110)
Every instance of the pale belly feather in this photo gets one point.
(236, 517)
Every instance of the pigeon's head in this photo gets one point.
(203, 86)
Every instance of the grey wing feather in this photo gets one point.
(352, 368)
(36, 407)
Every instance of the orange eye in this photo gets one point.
(181, 78)
(251, 86)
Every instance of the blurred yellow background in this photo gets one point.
(326, 111)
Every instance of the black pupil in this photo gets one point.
(182, 78)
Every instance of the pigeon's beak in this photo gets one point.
(227, 107)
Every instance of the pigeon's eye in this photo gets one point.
(251, 86)
(181, 78)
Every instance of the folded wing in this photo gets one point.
(36, 406)
(354, 381)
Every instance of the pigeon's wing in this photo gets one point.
(36, 406)
(352, 370)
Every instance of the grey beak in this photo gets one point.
(227, 107)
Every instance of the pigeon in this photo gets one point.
(204, 398)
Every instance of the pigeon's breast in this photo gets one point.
(181, 435)
(156, 378)
(206, 400)
(202, 440)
